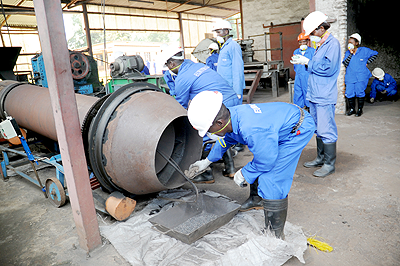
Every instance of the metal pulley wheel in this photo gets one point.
(80, 65)
(55, 192)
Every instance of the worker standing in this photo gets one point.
(357, 74)
(385, 84)
(275, 133)
(322, 91)
(212, 60)
(301, 81)
(191, 79)
(230, 61)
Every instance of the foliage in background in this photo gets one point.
(78, 40)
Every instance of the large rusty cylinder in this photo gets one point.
(122, 133)
(30, 105)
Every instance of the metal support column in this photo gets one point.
(58, 67)
(241, 18)
(87, 30)
(181, 31)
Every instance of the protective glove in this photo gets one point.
(299, 60)
(197, 168)
(372, 100)
(239, 179)
(384, 92)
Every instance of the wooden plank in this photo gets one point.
(58, 68)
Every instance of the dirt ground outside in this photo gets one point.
(356, 210)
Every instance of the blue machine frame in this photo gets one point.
(54, 161)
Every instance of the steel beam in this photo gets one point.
(87, 29)
(58, 68)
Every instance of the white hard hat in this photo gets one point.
(170, 52)
(356, 36)
(203, 109)
(378, 73)
(213, 46)
(313, 20)
(222, 24)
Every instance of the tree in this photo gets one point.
(78, 40)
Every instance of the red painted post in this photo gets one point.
(58, 69)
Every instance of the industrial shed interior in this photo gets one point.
(91, 157)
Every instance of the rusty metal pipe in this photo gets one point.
(31, 107)
(121, 133)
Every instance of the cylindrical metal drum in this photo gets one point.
(123, 133)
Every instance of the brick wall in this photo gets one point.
(259, 12)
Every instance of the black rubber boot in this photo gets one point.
(205, 178)
(329, 160)
(275, 212)
(229, 170)
(352, 106)
(360, 106)
(254, 202)
(319, 161)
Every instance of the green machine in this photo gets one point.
(127, 69)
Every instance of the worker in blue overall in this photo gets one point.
(275, 133)
(322, 91)
(230, 61)
(169, 78)
(357, 75)
(193, 78)
(384, 84)
(301, 81)
(212, 60)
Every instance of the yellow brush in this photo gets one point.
(312, 241)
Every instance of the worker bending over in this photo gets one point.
(169, 78)
(212, 60)
(301, 81)
(191, 79)
(357, 74)
(384, 84)
(275, 133)
(322, 91)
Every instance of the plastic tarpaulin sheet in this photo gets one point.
(242, 241)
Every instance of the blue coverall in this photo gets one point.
(212, 61)
(322, 91)
(266, 129)
(145, 70)
(194, 78)
(301, 81)
(231, 67)
(357, 73)
(170, 80)
(388, 84)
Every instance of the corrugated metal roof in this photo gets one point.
(20, 13)
(219, 8)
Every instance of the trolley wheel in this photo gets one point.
(55, 192)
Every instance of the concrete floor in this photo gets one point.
(356, 210)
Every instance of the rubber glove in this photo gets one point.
(239, 179)
(299, 60)
(372, 100)
(197, 168)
